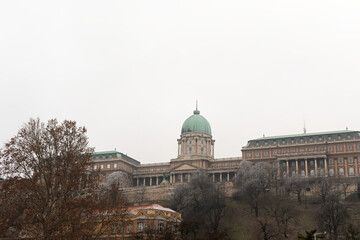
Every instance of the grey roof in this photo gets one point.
(306, 135)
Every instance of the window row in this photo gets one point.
(341, 171)
(114, 166)
(140, 227)
(303, 140)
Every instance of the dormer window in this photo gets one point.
(283, 141)
(257, 143)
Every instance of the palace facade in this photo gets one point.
(195, 153)
(331, 154)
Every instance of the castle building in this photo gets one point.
(195, 153)
(330, 154)
(140, 221)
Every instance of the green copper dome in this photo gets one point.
(196, 123)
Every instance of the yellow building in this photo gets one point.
(145, 220)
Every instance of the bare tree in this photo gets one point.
(333, 214)
(296, 185)
(282, 212)
(48, 183)
(267, 228)
(254, 181)
(202, 205)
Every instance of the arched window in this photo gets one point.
(140, 227)
(341, 171)
(351, 171)
(302, 173)
(129, 228)
(161, 226)
(312, 173)
(331, 172)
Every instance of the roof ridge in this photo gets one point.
(304, 134)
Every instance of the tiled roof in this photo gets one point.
(306, 135)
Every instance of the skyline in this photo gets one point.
(131, 71)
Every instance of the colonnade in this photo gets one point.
(215, 176)
(308, 167)
(182, 178)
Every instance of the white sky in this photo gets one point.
(131, 71)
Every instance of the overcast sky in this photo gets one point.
(131, 71)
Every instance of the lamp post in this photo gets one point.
(318, 234)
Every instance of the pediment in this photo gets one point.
(185, 167)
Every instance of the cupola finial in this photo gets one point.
(196, 110)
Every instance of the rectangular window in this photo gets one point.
(358, 147)
(350, 160)
(331, 161)
(339, 148)
(292, 150)
(101, 166)
(95, 167)
(302, 163)
(108, 166)
(257, 154)
(349, 147)
(301, 150)
(248, 155)
(266, 154)
(115, 165)
(341, 161)
(330, 149)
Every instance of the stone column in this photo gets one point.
(137, 182)
(157, 180)
(287, 168)
(213, 150)
(220, 177)
(356, 161)
(228, 177)
(278, 168)
(189, 177)
(297, 167)
(179, 148)
(315, 163)
(325, 167)
(150, 181)
(181, 178)
(213, 177)
(306, 168)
